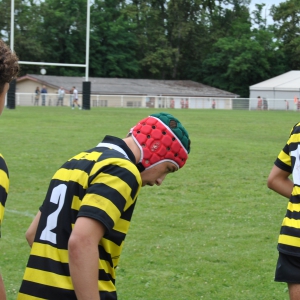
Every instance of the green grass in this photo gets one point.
(209, 232)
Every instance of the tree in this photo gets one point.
(182, 24)
(242, 59)
(64, 33)
(113, 44)
(27, 42)
(154, 51)
(286, 18)
(4, 19)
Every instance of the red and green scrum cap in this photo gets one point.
(161, 137)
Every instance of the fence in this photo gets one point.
(28, 99)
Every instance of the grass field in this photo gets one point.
(209, 232)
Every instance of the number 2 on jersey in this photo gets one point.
(57, 197)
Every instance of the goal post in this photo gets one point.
(86, 65)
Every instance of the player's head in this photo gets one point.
(161, 137)
(9, 69)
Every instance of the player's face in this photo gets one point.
(157, 174)
(2, 97)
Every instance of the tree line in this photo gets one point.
(219, 43)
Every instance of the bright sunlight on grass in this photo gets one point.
(209, 232)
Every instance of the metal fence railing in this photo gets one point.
(28, 99)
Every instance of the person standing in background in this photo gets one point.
(44, 92)
(213, 105)
(259, 103)
(71, 97)
(75, 98)
(9, 69)
(287, 106)
(37, 96)
(265, 104)
(61, 94)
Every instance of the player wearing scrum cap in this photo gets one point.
(77, 236)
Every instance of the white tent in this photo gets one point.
(285, 86)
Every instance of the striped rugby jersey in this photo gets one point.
(4, 186)
(102, 183)
(289, 161)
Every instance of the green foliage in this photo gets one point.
(214, 42)
(28, 43)
(209, 232)
(247, 55)
(287, 17)
(4, 19)
(113, 45)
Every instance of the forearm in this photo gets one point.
(84, 257)
(2, 289)
(279, 182)
(31, 231)
(83, 264)
(284, 188)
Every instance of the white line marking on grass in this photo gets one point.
(22, 213)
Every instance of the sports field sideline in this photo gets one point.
(209, 232)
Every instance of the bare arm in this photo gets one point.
(84, 257)
(2, 289)
(279, 182)
(31, 231)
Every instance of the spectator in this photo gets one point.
(186, 103)
(182, 103)
(286, 105)
(259, 103)
(44, 92)
(213, 105)
(37, 96)
(71, 96)
(61, 95)
(265, 104)
(172, 103)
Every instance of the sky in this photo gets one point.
(268, 3)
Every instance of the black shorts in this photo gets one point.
(288, 269)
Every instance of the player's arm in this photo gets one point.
(279, 182)
(31, 231)
(2, 289)
(84, 257)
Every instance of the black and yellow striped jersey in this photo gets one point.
(102, 183)
(289, 161)
(4, 186)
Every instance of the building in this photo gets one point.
(129, 92)
(284, 86)
(277, 90)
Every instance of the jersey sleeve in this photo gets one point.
(4, 187)
(111, 192)
(283, 161)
